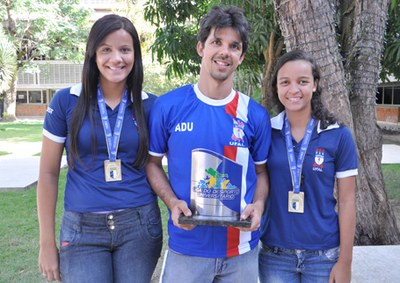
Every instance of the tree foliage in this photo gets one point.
(391, 57)
(45, 29)
(176, 26)
(42, 29)
(8, 63)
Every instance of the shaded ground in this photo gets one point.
(391, 137)
(396, 210)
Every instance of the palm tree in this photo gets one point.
(8, 68)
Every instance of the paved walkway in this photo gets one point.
(390, 154)
(20, 169)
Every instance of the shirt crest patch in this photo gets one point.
(237, 138)
(319, 160)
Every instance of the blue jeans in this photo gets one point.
(114, 247)
(185, 268)
(278, 265)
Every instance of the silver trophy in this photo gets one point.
(215, 192)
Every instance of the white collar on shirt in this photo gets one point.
(213, 102)
(76, 90)
(278, 121)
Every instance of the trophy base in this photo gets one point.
(214, 221)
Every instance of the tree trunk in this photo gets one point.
(271, 55)
(10, 102)
(363, 47)
(10, 96)
(311, 26)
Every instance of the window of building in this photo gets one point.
(44, 96)
(22, 96)
(35, 96)
(396, 95)
(379, 95)
(388, 95)
(52, 92)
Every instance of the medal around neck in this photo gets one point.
(296, 202)
(112, 170)
(112, 167)
(215, 192)
(296, 197)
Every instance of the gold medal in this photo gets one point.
(296, 202)
(112, 170)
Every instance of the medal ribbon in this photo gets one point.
(296, 166)
(112, 140)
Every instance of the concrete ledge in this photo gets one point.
(389, 126)
(375, 264)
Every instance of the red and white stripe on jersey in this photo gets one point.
(238, 241)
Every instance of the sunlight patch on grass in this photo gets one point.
(21, 131)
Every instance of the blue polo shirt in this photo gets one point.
(331, 154)
(236, 128)
(86, 189)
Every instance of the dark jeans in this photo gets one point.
(109, 247)
(278, 265)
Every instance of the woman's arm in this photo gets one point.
(341, 272)
(47, 191)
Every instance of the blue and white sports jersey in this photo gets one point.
(237, 128)
(86, 189)
(331, 153)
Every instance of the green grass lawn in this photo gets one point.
(391, 176)
(21, 131)
(19, 234)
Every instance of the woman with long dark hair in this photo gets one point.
(111, 228)
(305, 238)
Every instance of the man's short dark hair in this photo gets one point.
(221, 18)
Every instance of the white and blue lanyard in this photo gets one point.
(112, 140)
(296, 167)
